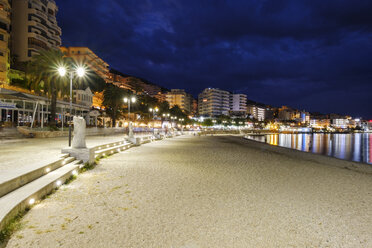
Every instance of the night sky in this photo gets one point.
(310, 54)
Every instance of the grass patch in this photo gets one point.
(13, 226)
(70, 179)
(88, 166)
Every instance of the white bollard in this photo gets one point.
(78, 140)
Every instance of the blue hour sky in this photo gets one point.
(308, 54)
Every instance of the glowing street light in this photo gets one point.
(129, 100)
(80, 72)
(154, 110)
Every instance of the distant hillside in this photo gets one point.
(163, 89)
(251, 102)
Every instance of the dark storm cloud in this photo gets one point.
(314, 55)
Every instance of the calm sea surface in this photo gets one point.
(355, 147)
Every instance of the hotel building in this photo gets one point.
(181, 98)
(5, 12)
(238, 104)
(34, 27)
(257, 112)
(214, 102)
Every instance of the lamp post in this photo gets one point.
(153, 110)
(130, 128)
(80, 72)
(173, 118)
(182, 120)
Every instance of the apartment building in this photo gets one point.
(85, 56)
(181, 98)
(256, 111)
(287, 114)
(34, 27)
(5, 12)
(238, 104)
(161, 97)
(213, 102)
(120, 80)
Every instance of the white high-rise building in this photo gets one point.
(5, 11)
(257, 112)
(238, 104)
(214, 102)
(34, 27)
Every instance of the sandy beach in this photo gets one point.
(195, 192)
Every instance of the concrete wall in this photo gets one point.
(51, 134)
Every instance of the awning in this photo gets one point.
(6, 105)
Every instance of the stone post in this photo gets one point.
(78, 140)
(131, 135)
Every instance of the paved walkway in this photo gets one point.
(206, 192)
(25, 153)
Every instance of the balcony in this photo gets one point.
(56, 38)
(55, 27)
(52, 18)
(38, 13)
(38, 25)
(38, 36)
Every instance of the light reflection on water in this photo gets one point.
(355, 147)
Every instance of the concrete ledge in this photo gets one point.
(51, 134)
(141, 139)
(160, 136)
(18, 178)
(84, 154)
(112, 149)
(21, 198)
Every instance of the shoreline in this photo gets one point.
(320, 158)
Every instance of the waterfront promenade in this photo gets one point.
(21, 154)
(220, 191)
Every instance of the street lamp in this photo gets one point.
(80, 72)
(153, 110)
(182, 120)
(129, 100)
(173, 118)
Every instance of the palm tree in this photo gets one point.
(43, 77)
(113, 101)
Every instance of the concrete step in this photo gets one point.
(18, 200)
(100, 147)
(19, 177)
(107, 150)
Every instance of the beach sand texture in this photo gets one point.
(220, 191)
